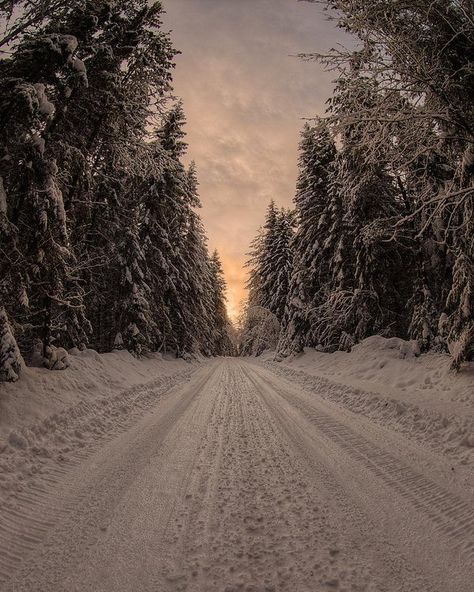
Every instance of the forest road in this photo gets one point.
(241, 481)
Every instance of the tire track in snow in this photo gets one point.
(132, 485)
(190, 523)
(451, 516)
(445, 433)
(253, 517)
(31, 511)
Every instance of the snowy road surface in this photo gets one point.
(239, 480)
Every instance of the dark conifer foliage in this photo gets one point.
(310, 265)
(101, 244)
(384, 242)
(270, 261)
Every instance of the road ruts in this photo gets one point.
(238, 481)
(450, 516)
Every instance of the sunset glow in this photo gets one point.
(245, 97)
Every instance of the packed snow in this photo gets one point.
(321, 472)
(48, 417)
(389, 381)
(41, 394)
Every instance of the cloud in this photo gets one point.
(245, 97)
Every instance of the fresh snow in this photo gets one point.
(44, 105)
(321, 472)
(388, 381)
(41, 393)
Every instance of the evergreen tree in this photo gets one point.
(269, 266)
(270, 262)
(178, 195)
(310, 268)
(11, 361)
(279, 264)
(198, 304)
(43, 269)
(368, 282)
(221, 324)
(135, 319)
(103, 244)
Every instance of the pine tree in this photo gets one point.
(270, 262)
(11, 361)
(197, 301)
(51, 298)
(280, 263)
(222, 343)
(368, 285)
(178, 197)
(423, 51)
(310, 267)
(433, 262)
(269, 266)
(135, 322)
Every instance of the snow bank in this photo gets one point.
(41, 393)
(395, 367)
(388, 381)
(50, 420)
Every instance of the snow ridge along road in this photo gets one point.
(239, 480)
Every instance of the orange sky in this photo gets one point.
(245, 98)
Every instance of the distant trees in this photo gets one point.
(385, 238)
(259, 331)
(269, 264)
(100, 241)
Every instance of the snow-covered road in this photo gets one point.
(239, 480)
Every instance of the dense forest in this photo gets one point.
(101, 244)
(383, 241)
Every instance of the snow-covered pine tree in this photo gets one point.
(135, 321)
(264, 269)
(310, 268)
(254, 264)
(177, 197)
(270, 261)
(368, 282)
(156, 236)
(222, 341)
(280, 263)
(197, 302)
(175, 244)
(41, 289)
(433, 263)
(11, 361)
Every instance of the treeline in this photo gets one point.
(100, 241)
(384, 241)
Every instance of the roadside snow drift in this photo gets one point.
(48, 418)
(389, 382)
